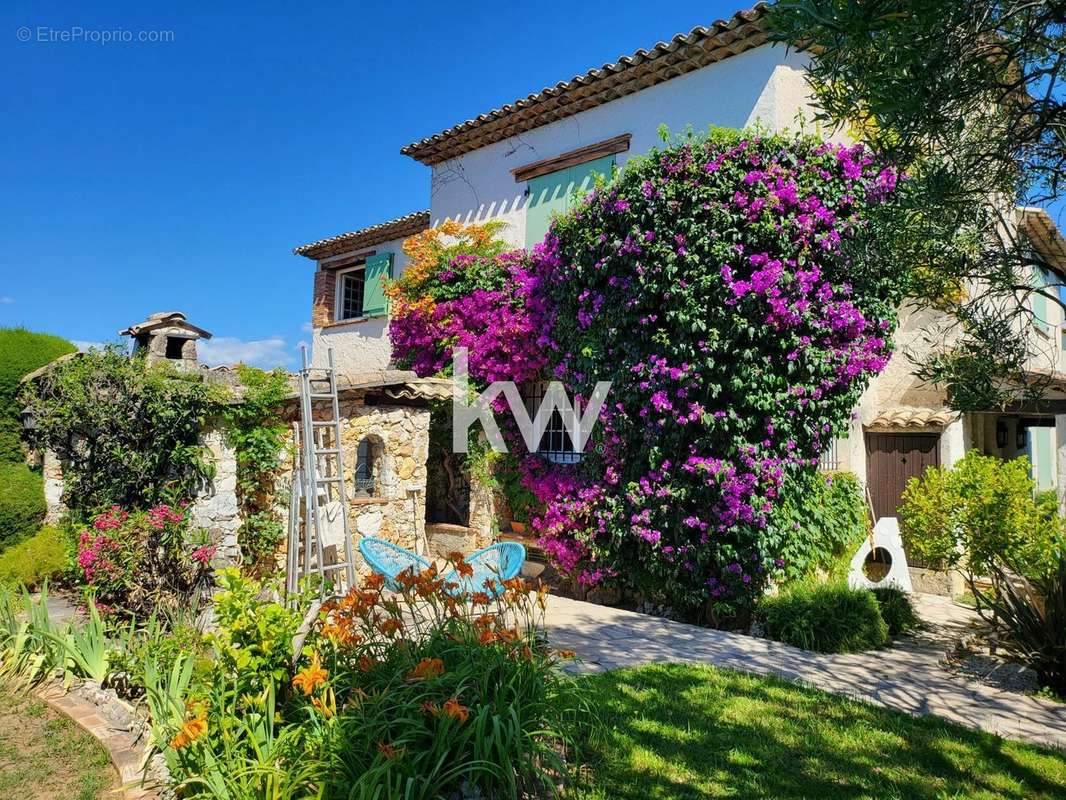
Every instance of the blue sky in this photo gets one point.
(139, 177)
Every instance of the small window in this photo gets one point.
(365, 480)
(350, 285)
(555, 444)
(175, 344)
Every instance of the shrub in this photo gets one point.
(978, 514)
(35, 560)
(821, 520)
(127, 434)
(22, 505)
(734, 291)
(1033, 613)
(825, 617)
(897, 610)
(143, 562)
(21, 352)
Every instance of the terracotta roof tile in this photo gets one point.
(684, 53)
(366, 237)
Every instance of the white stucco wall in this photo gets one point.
(764, 84)
(359, 345)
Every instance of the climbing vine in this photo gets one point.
(737, 291)
(254, 427)
(127, 434)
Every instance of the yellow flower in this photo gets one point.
(310, 677)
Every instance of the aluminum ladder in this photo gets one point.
(318, 482)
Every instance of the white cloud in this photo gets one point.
(6, 301)
(306, 327)
(83, 345)
(266, 353)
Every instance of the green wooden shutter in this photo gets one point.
(378, 270)
(1041, 454)
(1040, 312)
(554, 193)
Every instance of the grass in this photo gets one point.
(45, 756)
(680, 731)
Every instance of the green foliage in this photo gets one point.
(980, 513)
(254, 427)
(1034, 614)
(253, 641)
(35, 560)
(22, 505)
(821, 520)
(127, 434)
(21, 352)
(897, 610)
(824, 617)
(966, 97)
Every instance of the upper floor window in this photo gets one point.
(360, 290)
(350, 286)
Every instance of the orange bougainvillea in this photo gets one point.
(433, 248)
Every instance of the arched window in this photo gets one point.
(367, 466)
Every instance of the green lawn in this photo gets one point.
(45, 756)
(679, 731)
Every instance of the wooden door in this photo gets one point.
(891, 460)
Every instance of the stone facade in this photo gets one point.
(215, 509)
(394, 509)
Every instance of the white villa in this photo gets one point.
(522, 161)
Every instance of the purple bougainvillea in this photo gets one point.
(733, 290)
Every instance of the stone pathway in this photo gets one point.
(907, 677)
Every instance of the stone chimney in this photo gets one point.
(167, 336)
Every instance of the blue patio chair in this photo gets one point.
(389, 560)
(500, 562)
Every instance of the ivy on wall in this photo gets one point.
(130, 435)
(126, 434)
(255, 429)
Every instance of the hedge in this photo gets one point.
(22, 505)
(35, 560)
(21, 352)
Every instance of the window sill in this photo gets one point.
(368, 501)
(353, 321)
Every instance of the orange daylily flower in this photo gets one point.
(366, 663)
(454, 710)
(480, 598)
(389, 750)
(310, 677)
(426, 669)
(429, 707)
(374, 581)
(390, 626)
(192, 730)
(565, 653)
(325, 710)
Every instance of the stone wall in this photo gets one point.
(215, 508)
(395, 510)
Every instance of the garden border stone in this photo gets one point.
(126, 742)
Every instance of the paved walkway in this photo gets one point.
(906, 677)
